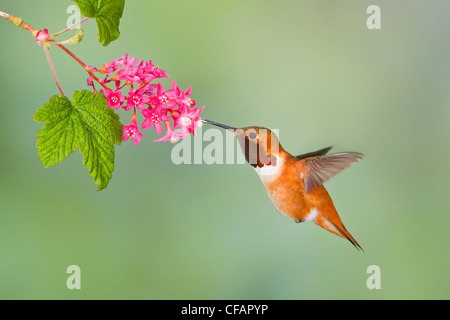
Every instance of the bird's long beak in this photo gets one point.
(219, 125)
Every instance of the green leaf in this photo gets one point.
(107, 14)
(59, 136)
(85, 123)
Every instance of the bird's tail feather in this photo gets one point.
(337, 228)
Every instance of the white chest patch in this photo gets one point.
(311, 215)
(269, 173)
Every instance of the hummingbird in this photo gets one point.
(295, 183)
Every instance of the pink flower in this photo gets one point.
(136, 100)
(132, 131)
(42, 36)
(115, 98)
(149, 89)
(185, 100)
(162, 98)
(91, 68)
(180, 97)
(128, 72)
(90, 81)
(171, 134)
(159, 73)
(114, 65)
(188, 120)
(154, 117)
(145, 69)
(149, 72)
(175, 92)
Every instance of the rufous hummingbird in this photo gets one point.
(295, 183)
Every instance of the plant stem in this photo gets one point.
(53, 69)
(85, 67)
(71, 27)
(4, 15)
(19, 22)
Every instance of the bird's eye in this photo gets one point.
(252, 135)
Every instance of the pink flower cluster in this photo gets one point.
(158, 106)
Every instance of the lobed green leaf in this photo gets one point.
(107, 14)
(85, 123)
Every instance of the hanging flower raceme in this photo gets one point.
(134, 90)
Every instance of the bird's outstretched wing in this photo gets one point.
(320, 152)
(315, 170)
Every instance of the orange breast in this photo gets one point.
(287, 193)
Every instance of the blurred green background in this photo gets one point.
(311, 69)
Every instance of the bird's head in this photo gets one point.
(259, 145)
